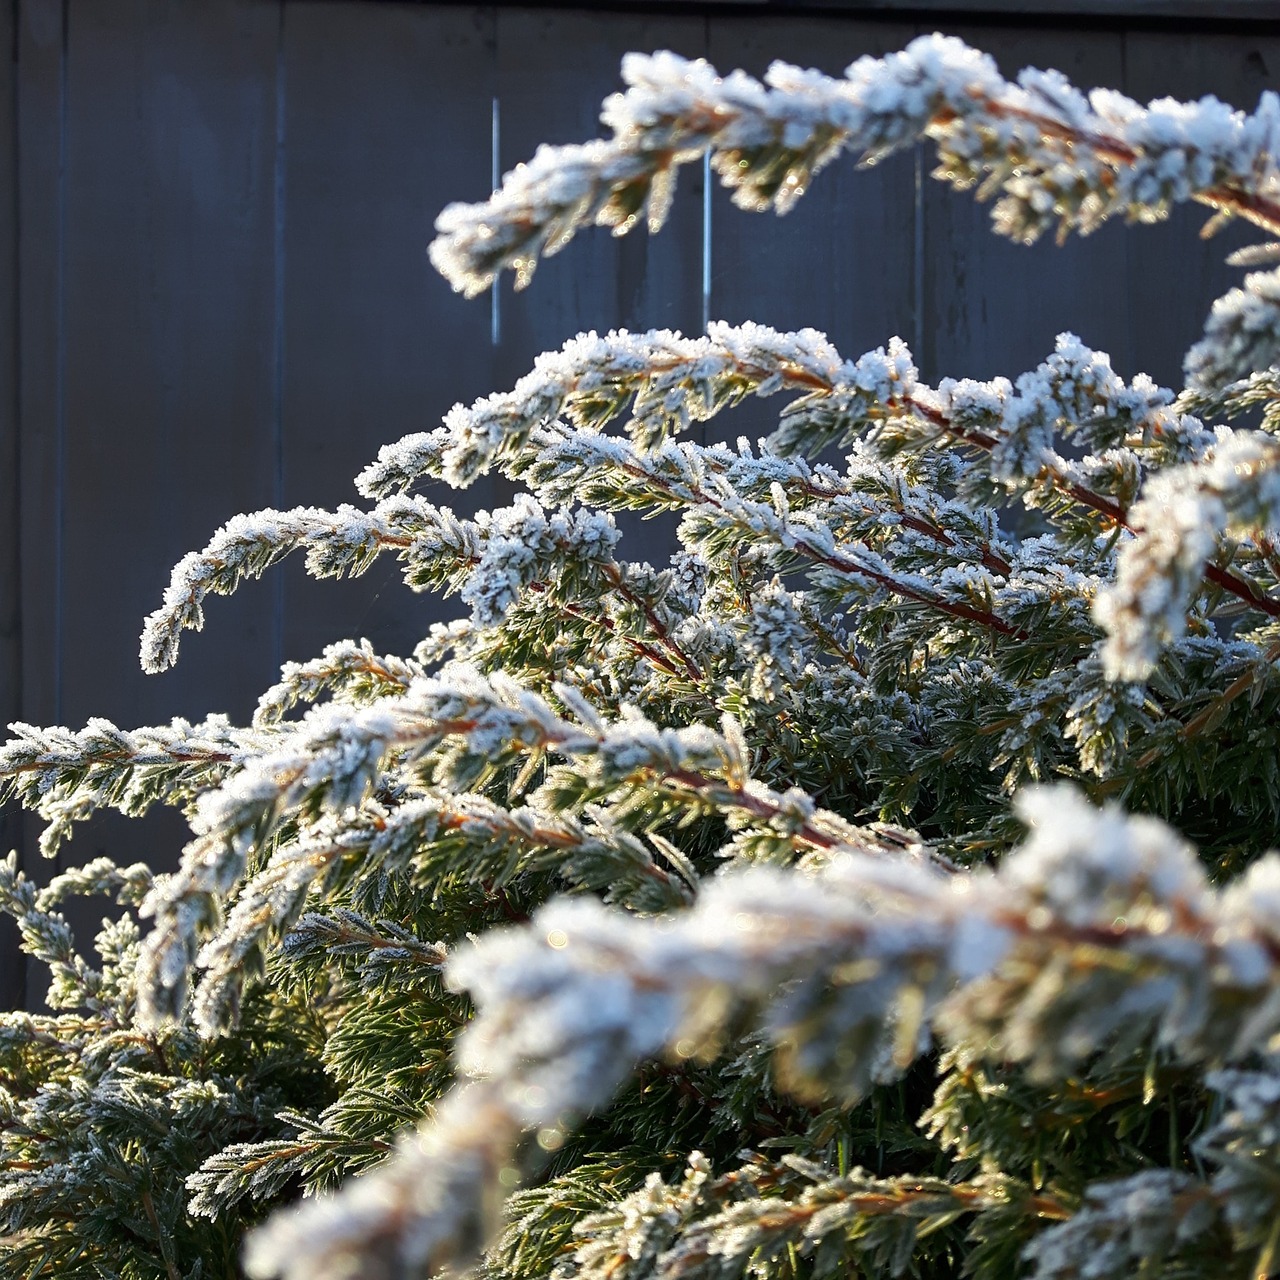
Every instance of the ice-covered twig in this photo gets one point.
(349, 668)
(1179, 523)
(66, 775)
(1241, 337)
(1057, 159)
(1012, 425)
(488, 560)
(666, 380)
(337, 755)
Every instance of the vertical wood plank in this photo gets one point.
(843, 260)
(10, 454)
(555, 68)
(168, 371)
(40, 107)
(992, 306)
(1174, 275)
(149, 405)
(11, 972)
(40, 48)
(388, 112)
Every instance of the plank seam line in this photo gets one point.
(60, 377)
(277, 330)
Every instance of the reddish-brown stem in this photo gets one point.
(956, 608)
(757, 806)
(891, 1200)
(123, 757)
(990, 558)
(613, 575)
(1246, 204)
(760, 807)
(166, 1249)
(1243, 589)
(539, 835)
(377, 942)
(1254, 208)
(1112, 511)
(1239, 686)
(843, 564)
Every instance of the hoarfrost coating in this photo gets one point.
(1059, 159)
(568, 1004)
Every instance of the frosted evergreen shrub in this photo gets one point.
(811, 905)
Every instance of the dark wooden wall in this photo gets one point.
(214, 293)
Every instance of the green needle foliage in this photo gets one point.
(873, 889)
